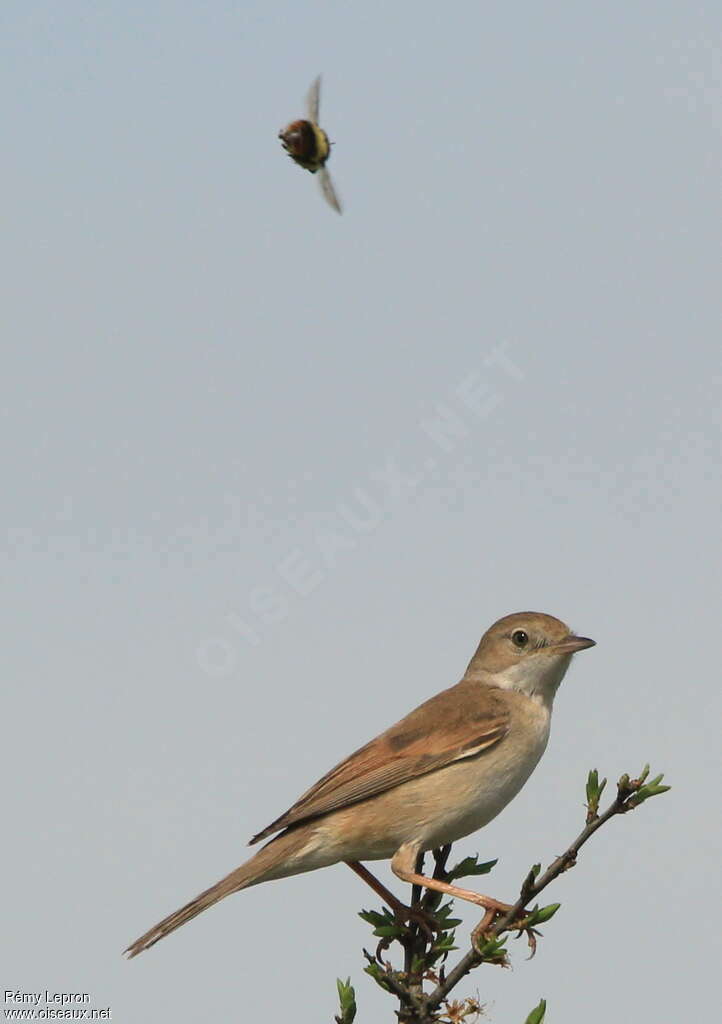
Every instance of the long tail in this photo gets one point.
(267, 863)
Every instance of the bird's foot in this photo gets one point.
(519, 923)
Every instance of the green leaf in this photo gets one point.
(531, 878)
(540, 915)
(471, 866)
(645, 793)
(378, 975)
(441, 948)
(537, 1014)
(347, 1000)
(464, 866)
(492, 949)
(442, 916)
(634, 792)
(374, 918)
(390, 931)
(595, 788)
(592, 785)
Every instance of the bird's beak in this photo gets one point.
(572, 644)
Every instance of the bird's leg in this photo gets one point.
(378, 887)
(402, 912)
(403, 864)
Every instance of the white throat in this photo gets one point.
(537, 677)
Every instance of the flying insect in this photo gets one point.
(308, 144)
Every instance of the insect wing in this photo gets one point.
(329, 192)
(313, 98)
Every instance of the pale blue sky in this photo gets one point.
(208, 375)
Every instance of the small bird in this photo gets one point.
(442, 772)
(308, 144)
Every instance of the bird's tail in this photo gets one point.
(272, 861)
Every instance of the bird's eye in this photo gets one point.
(520, 638)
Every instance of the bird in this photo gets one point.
(443, 771)
(307, 144)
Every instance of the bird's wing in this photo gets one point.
(458, 723)
(329, 192)
(313, 97)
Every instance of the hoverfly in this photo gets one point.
(308, 144)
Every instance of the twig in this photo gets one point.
(630, 793)
(416, 1007)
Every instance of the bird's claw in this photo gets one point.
(531, 934)
(482, 932)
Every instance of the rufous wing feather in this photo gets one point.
(458, 723)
